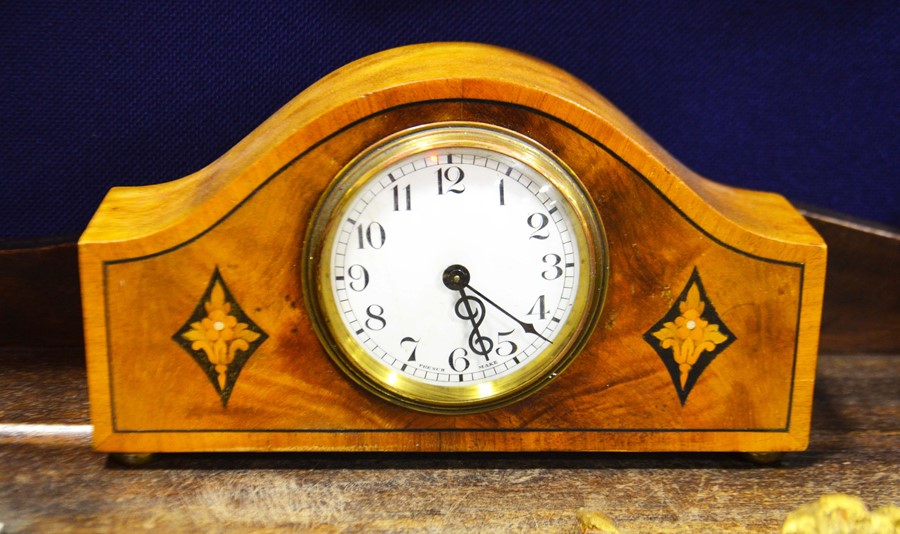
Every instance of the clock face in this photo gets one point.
(456, 268)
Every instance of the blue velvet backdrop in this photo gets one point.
(795, 97)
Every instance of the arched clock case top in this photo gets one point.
(542, 277)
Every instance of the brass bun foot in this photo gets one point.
(132, 459)
(763, 458)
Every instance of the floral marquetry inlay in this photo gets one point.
(220, 336)
(689, 337)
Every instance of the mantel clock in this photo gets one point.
(449, 247)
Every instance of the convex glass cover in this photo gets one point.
(455, 267)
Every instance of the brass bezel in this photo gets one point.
(364, 369)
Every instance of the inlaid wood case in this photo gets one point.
(272, 300)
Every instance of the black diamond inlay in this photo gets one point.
(689, 336)
(220, 336)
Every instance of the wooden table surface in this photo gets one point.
(51, 481)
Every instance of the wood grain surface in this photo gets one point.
(40, 295)
(149, 253)
(42, 301)
(51, 480)
(862, 295)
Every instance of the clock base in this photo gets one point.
(133, 459)
(763, 458)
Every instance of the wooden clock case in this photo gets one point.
(707, 340)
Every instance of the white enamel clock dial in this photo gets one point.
(457, 268)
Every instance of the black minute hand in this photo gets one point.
(527, 327)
